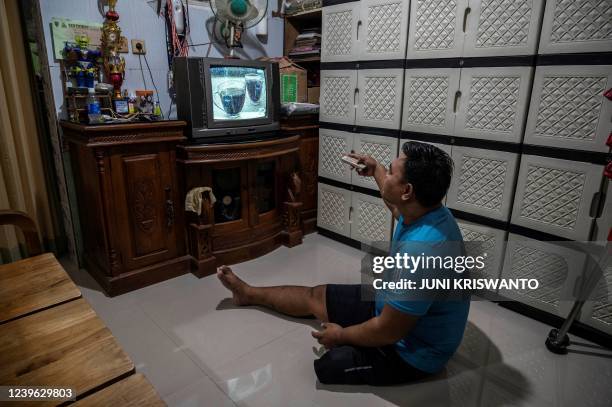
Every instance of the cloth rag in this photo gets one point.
(193, 200)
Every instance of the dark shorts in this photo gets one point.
(356, 365)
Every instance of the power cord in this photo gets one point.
(154, 86)
(144, 81)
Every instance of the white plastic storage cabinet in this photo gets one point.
(383, 149)
(554, 196)
(337, 98)
(603, 224)
(333, 144)
(598, 311)
(474, 28)
(365, 30)
(352, 214)
(487, 240)
(339, 29)
(557, 268)
(493, 104)
(568, 109)
(383, 29)
(429, 100)
(334, 205)
(502, 27)
(436, 29)
(379, 98)
(576, 26)
(483, 182)
(370, 219)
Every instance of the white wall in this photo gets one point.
(138, 20)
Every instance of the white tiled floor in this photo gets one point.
(199, 350)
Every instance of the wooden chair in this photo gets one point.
(27, 226)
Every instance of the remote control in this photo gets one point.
(353, 162)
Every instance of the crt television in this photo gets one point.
(226, 97)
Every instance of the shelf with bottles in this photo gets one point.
(76, 104)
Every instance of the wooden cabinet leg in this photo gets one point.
(203, 261)
(292, 233)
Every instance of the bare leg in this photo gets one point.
(296, 301)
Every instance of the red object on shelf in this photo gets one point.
(112, 15)
(116, 79)
(608, 170)
(608, 94)
(609, 141)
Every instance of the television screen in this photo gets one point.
(238, 93)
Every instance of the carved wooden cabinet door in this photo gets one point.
(145, 207)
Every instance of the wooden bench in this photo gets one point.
(33, 284)
(63, 346)
(132, 391)
(50, 336)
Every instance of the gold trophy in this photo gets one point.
(114, 64)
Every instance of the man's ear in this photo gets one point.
(408, 193)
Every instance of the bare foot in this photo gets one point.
(234, 284)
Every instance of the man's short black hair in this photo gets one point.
(429, 170)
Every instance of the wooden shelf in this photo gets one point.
(308, 14)
(294, 25)
(298, 59)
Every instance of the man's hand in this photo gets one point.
(329, 336)
(368, 161)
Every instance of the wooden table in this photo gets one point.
(33, 284)
(67, 345)
(133, 391)
(50, 336)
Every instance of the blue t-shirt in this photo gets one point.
(439, 329)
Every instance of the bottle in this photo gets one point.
(157, 109)
(132, 103)
(93, 107)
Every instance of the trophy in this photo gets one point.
(114, 64)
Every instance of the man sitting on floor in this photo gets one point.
(386, 341)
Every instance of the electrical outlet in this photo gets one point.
(138, 47)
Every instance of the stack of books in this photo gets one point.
(307, 44)
(291, 7)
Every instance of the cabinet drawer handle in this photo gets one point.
(169, 208)
(456, 101)
(465, 16)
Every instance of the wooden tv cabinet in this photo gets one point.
(307, 127)
(131, 182)
(257, 205)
